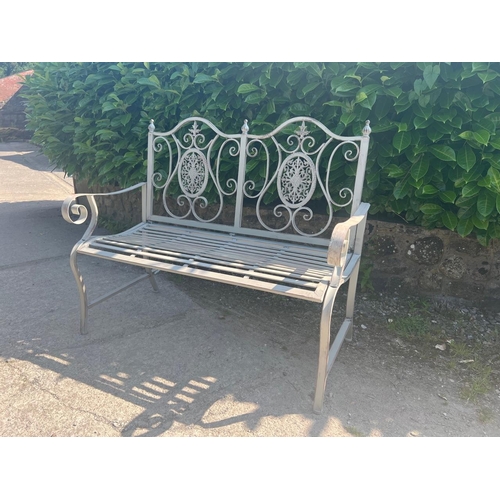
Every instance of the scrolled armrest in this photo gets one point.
(339, 242)
(70, 206)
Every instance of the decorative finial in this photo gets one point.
(245, 127)
(151, 126)
(366, 128)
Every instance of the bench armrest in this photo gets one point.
(70, 207)
(339, 242)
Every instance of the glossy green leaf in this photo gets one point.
(495, 142)
(433, 134)
(481, 224)
(486, 202)
(465, 227)
(202, 78)
(369, 101)
(449, 220)
(443, 152)
(480, 66)
(393, 91)
(394, 171)
(148, 81)
(481, 136)
(448, 196)
(420, 168)
(445, 115)
(470, 190)
(429, 189)
(431, 74)
(246, 88)
(360, 96)
(467, 135)
(401, 140)
(494, 176)
(420, 122)
(465, 202)
(347, 86)
(466, 158)
(402, 188)
(431, 209)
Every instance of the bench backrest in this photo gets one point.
(207, 178)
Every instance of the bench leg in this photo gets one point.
(81, 291)
(351, 296)
(152, 279)
(324, 348)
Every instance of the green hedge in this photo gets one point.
(435, 151)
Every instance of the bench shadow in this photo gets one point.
(200, 390)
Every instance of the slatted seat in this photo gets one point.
(299, 271)
(195, 166)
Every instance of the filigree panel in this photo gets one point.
(296, 180)
(188, 171)
(298, 167)
(193, 173)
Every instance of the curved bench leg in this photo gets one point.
(324, 348)
(81, 290)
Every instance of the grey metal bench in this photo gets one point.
(198, 174)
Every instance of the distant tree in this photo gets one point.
(11, 68)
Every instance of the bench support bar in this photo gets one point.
(82, 291)
(124, 287)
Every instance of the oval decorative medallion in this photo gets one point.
(192, 173)
(296, 180)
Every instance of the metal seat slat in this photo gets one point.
(230, 267)
(309, 274)
(240, 255)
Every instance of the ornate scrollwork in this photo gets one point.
(192, 171)
(252, 152)
(296, 180)
(299, 175)
(295, 167)
(70, 207)
(195, 138)
(231, 184)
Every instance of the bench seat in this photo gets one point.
(285, 268)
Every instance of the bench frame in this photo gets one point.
(342, 251)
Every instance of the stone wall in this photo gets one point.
(13, 120)
(12, 113)
(431, 262)
(396, 257)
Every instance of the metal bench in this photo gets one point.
(197, 175)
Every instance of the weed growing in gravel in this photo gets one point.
(484, 415)
(478, 385)
(410, 326)
(461, 350)
(478, 381)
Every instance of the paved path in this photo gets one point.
(196, 359)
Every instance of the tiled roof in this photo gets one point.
(11, 84)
